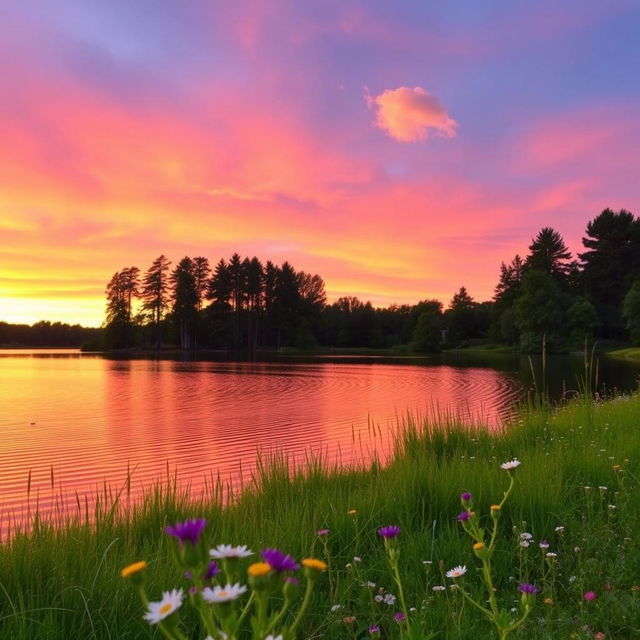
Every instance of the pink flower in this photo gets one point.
(590, 595)
(599, 636)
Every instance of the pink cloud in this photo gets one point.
(410, 115)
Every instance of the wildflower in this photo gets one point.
(133, 568)
(524, 543)
(279, 561)
(611, 507)
(587, 488)
(378, 598)
(349, 619)
(525, 535)
(223, 594)
(212, 570)
(466, 496)
(390, 531)
(399, 617)
(315, 564)
(478, 545)
(357, 559)
(616, 467)
(462, 517)
(321, 533)
(559, 529)
(456, 572)
(259, 569)
(374, 629)
(590, 595)
(229, 551)
(603, 489)
(158, 611)
(525, 587)
(550, 554)
(335, 607)
(371, 585)
(352, 512)
(548, 601)
(272, 637)
(511, 464)
(188, 531)
(599, 636)
(495, 507)
(348, 566)
(389, 599)
(543, 544)
(607, 586)
(438, 587)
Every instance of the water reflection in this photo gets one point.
(88, 418)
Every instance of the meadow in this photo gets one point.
(575, 499)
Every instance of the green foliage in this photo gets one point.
(582, 319)
(539, 313)
(631, 311)
(427, 336)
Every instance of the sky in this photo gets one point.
(398, 149)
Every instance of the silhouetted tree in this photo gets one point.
(185, 301)
(286, 304)
(582, 320)
(610, 264)
(201, 276)
(155, 293)
(427, 335)
(255, 278)
(117, 317)
(549, 254)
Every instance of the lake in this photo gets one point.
(70, 421)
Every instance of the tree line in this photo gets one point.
(46, 334)
(244, 304)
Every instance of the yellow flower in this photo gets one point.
(259, 569)
(314, 563)
(352, 512)
(478, 545)
(616, 467)
(495, 507)
(133, 568)
(548, 601)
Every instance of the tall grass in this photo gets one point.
(60, 580)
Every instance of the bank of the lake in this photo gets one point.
(63, 583)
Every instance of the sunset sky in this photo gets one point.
(399, 149)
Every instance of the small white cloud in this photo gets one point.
(410, 115)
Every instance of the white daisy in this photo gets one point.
(512, 464)
(438, 587)
(223, 594)
(456, 572)
(158, 611)
(229, 551)
(270, 637)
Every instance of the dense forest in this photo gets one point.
(242, 304)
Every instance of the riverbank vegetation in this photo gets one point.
(548, 298)
(569, 528)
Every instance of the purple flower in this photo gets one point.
(188, 531)
(279, 561)
(374, 628)
(399, 617)
(590, 595)
(525, 587)
(322, 532)
(463, 516)
(212, 571)
(389, 532)
(543, 544)
(466, 496)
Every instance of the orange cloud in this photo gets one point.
(410, 115)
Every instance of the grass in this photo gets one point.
(630, 353)
(62, 582)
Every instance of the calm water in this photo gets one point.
(73, 421)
